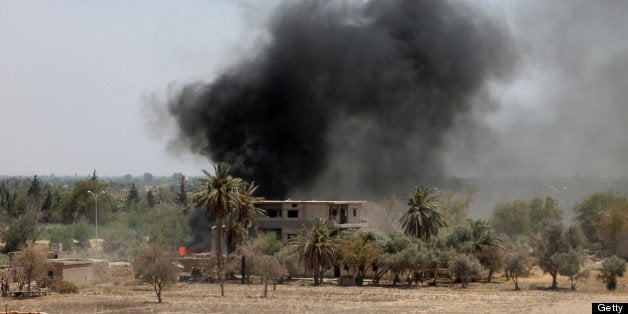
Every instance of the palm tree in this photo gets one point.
(316, 250)
(220, 195)
(423, 219)
(242, 217)
(482, 234)
(486, 245)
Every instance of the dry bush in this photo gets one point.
(30, 264)
(268, 267)
(66, 287)
(220, 270)
(155, 269)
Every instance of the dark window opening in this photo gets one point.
(294, 205)
(273, 213)
(354, 212)
(50, 273)
(332, 214)
(271, 210)
(293, 214)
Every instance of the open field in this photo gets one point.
(298, 296)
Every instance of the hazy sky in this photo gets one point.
(76, 77)
(75, 74)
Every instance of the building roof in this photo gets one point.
(263, 201)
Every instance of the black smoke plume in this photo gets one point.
(354, 96)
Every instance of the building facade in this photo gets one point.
(287, 218)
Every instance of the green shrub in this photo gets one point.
(120, 242)
(465, 268)
(82, 232)
(19, 231)
(612, 267)
(516, 265)
(63, 235)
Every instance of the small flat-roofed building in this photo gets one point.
(79, 272)
(83, 272)
(286, 218)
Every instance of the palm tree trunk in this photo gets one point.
(316, 270)
(219, 241)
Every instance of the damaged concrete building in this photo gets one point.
(286, 218)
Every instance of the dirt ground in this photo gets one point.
(299, 296)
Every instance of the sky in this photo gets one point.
(76, 75)
(79, 78)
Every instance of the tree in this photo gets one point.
(133, 196)
(479, 240)
(553, 242)
(613, 222)
(148, 177)
(62, 234)
(34, 190)
(243, 217)
(260, 259)
(182, 196)
(464, 268)
(491, 258)
(360, 250)
(543, 211)
(511, 218)
(569, 265)
(456, 206)
(487, 246)
(20, 204)
(612, 267)
(400, 253)
(423, 219)
(46, 207)
(32, 264)
(19, 232)
(482, 234)
(269, 267)
(521, 218)
(150, 199)
(82, 232)
(588, 212)
(516, 265)
(78, 203)
(219, 194)
(316, 250)
(155, 269)
(120, 242)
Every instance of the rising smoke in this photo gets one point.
(565, 112)
(348, 98)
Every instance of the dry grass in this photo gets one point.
(496, 297)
